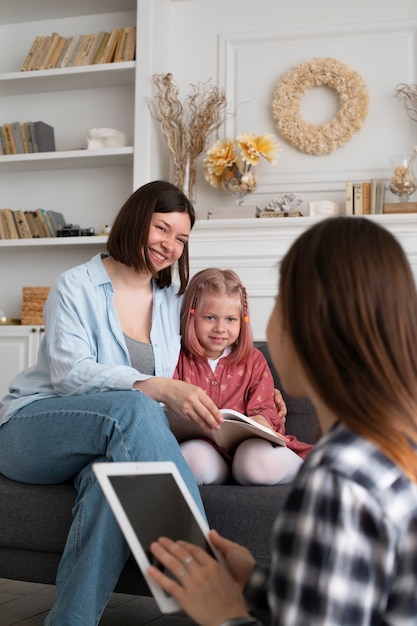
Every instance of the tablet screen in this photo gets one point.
(155, 507)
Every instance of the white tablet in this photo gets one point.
(150, 500)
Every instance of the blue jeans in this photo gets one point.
(53, 440)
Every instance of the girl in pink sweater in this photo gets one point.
(218, 355)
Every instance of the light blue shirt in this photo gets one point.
(83, 350)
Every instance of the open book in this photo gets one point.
(235, 429)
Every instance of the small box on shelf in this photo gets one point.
(400, 207)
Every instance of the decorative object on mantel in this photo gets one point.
(323, 207)
(282, 206)
(187, 126)
(230, 163)
(100, 138)
(403, 182)
(320, 138)
(407, 94)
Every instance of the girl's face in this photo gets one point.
(168, 234)
(217, 325)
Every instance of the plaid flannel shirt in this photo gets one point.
(345, 545)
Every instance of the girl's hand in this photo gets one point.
(206, 591)
(260, 419)
(186, 400)
(280, 404)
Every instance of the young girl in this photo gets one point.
(218, 355)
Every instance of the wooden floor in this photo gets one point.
(26, 604)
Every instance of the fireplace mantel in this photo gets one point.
(254, 247)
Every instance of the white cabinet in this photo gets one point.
(18, 350)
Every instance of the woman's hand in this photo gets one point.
(186, 400)
(202, 587)
(280, 404)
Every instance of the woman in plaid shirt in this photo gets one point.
(344, 548)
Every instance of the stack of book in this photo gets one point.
(54, 51)
(30, 224)
(26, 137)
(365, 198)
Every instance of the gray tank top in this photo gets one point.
(141, 355)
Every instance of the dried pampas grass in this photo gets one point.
(187, 126)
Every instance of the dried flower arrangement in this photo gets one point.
(327, 137)
(187, 126)
(407, 94)
(229, 161)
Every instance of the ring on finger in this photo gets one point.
(182, 573)
(188, 560)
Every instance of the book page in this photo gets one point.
(235, 429)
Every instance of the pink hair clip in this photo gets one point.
(192, 311)
(246, 319)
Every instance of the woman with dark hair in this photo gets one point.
(344, 548)
(110, 349)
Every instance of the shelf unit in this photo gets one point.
(87, 186)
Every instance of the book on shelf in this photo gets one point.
(9, 224)
(24, 137)
(366, 198)
(129, 44)
(2, 229)
(126, 45)
(110, 47)
(42, 226)
(28, 132)
(349, 197)
(22, 226)
(357, 198)
(33, 224)
(83, 50)
(53, 40)
(45, 136)
(41, 53)
(17, 136)
(56, 220)
(235, 428)
(29, 57)
(8, 138)
(69, 51)
(100, 47)
(57, 53)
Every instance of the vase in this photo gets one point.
(239, 181)
(185, 177)
(403, 181)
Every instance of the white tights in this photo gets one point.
(255, 462)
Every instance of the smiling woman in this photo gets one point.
(111, 329)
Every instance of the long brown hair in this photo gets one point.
(349, 302)
(129, 234)
(215, 282)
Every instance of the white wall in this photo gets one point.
(247, 46)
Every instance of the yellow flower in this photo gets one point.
(220, 156)
(240, 153)
(254, 146)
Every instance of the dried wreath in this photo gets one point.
(327, 137)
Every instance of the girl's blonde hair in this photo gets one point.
(208, 283)
(349, 303)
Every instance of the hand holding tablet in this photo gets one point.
(151, 500)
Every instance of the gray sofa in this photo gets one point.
(35, 519)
